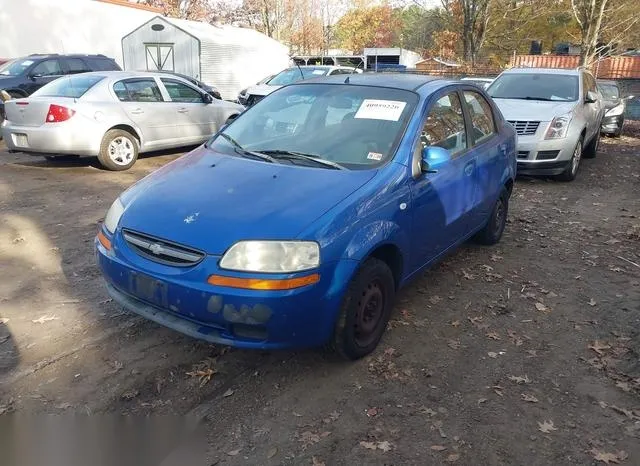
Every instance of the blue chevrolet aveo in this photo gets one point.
(296, 224)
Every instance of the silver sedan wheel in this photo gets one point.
(121, 150)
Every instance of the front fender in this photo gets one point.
(374, 235)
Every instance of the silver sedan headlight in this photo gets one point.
(272, 256)
(113, 216)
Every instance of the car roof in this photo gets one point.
(125, 74)
(41, 56)
(409, 82)
(565, 71)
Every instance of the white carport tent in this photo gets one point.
(227, 57)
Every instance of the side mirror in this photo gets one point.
(433, 158)
(629, 97)
(208, 99)
(591, 97)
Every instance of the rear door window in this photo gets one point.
(76, 65)
(47, 68)
(481, 116)
(138, 90)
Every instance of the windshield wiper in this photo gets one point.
(244, 152)
(288, 154)
(544, 99)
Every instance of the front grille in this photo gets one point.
(254, 99)
(162, 251)
(547, 154)
(523, 154)
(525, 128)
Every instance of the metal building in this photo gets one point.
(227, 57)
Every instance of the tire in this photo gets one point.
(118, 150)
(572, 169)
(591, 149)
(493, 230)
(365, 311)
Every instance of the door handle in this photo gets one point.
(468, 168)
(503, 149)
(183, 110)
(137, 111)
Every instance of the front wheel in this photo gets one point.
(118, 150)
(365, 311)
(492, 231)
(569, 174)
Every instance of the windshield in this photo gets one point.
(357, 127)
(71, 86)
(535, 86)
(292, 75)
(609, 91)
(15, 67)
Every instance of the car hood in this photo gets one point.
(262, 89)
(209, 201)
(519, 109)
(610, 103)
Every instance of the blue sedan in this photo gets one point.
(296, 224)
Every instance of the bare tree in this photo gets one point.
(602, 23)
(470, 18)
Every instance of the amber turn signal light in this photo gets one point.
(263, 284)
(106, 243)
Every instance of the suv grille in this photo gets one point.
(525, 128)
(162, 251)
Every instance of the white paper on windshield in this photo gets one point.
(372, 109)
(318, 72)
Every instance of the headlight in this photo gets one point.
(113, 216)
(559, 127)
(615, 111)
(272, 256)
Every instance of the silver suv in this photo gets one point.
(557, 115)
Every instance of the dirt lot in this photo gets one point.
(526, 353)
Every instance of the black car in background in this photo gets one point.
(21, 77)
(614, 104)
(211, 90)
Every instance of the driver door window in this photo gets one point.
(444, 126)
(180, 92)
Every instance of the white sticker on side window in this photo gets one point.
(318, 72)
(372, 109)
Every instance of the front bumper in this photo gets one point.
(53, 138)
(303, 317)
(612, 124)
(547, 157)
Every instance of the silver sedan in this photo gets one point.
(113, 115)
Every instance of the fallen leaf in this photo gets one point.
(228, 393)
(372, 412)
(425, 410)
(234, 452)
(546, 427)
(624, 386)
(273, 452)
(204, 375)
(542, 308)
(482, 400)
(519, 379)
(43, 319)
(369, 445)
(493, 355)
(454, 344)
(455, 323)
(598, 346)
(385, 446)
(317, 462)
(467, 275)
(438, 447)
(493, 336)
(333, 416)
(129, 395)
(626, 412)
(435, 299)
(529, 398)
(452, 458)
(296, 414)
(592, 302)
(3, 320)
(608, 458)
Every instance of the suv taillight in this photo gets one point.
(58, 113)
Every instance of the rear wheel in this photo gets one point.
(119, 150)
(572, 169)
(492, 232)
(591, 150)
(365, 310)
